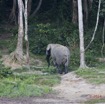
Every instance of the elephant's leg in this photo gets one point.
(57, 67)
(59, 70)
(66, 68)
(48, 60)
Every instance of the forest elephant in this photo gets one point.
(60, 56)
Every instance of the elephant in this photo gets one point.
(60, 56)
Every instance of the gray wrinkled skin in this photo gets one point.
(60, 55)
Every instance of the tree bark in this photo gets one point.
(19, 48)
(26, 33)
(75, 13)
(81, 35)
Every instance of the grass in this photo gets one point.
(96, 101)
(25, 84)
(22, 89)
(93, 75)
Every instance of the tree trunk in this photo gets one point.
(12, 16)
(26, 31)
(75, 13)
(20, 30)
(17, 55)
(81, 35)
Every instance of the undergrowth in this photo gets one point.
(27, 85)
(95, 75)
(17, 85)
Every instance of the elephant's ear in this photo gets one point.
(48, 54)
(48, 49)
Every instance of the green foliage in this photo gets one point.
(40, 37)
(90, 60)
(74, 59)
(8, 38)
(12, 45)
(96, 45)
(43, 34)
(17, 90)
(46, 80)
(4, 71)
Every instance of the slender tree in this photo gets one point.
(19, 49)
(81, 35)
(36, 10)
(95, 26)
(17, 55)
(26, 32)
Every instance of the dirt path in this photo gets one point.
(72, 90)
(76, 89)
(49, 99)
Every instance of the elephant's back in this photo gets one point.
(60, 53)
(62, 50)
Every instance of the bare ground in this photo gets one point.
(46, 99)
(71, 90)
(77, 90)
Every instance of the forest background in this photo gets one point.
(56, 21)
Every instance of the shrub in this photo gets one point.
(4, 71)
(42, 34)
